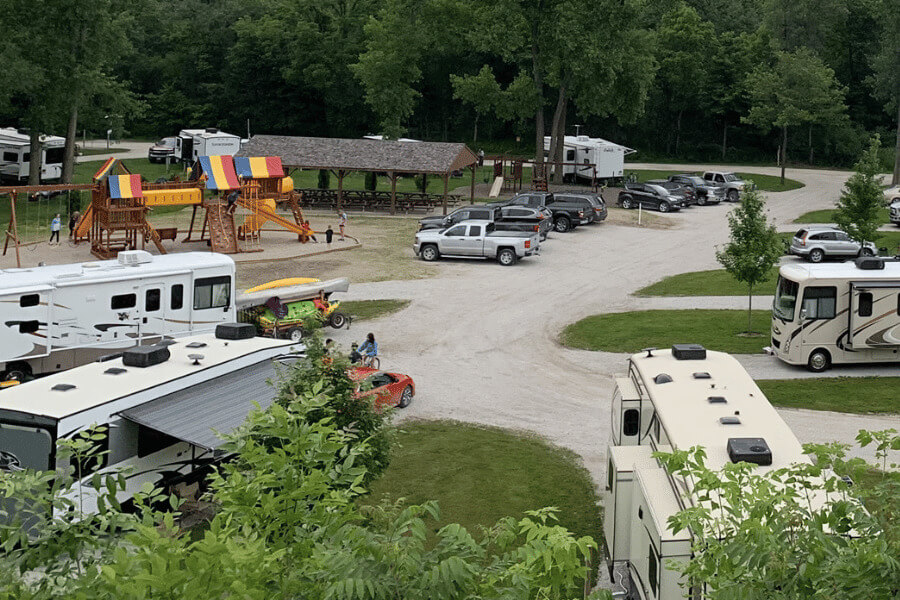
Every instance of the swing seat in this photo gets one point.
(167, 233)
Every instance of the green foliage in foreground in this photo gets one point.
(840, 394)
(629, 332)
(288, 525)
(716, 282)
(765, 536)
(363, 310)
(764, 183)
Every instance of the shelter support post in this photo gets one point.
(393, 177)
(340, 194)
(472, 187)
(444, 199)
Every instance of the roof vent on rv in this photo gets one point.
(702, 375)
(115, 371)
(145, 356)
(134, 257)
(235, 331)
(662, 378)
(870, 263)
(751, 450)
(717, 400)
(212, 130)
(730, 421)
(688, 351)
(62, 387)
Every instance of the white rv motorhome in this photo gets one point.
(15, 155)
(825, 314)
(58, 317)
(165, 408)
(191, 144)
(608, 157)
(674, 400)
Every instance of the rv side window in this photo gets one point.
(29, 300)
(655, 428)
(123, 301)
(820, 302)
(898, 304)
(653, 570)
(28, 326)
(610, 475)
(95, 456)
(177, 296)
(631, 422)
(54, 155)
(152, 300)
(212, 292)
(10, 157)
(865, 304)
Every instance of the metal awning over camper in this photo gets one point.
(200, 414)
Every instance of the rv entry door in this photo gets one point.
(153, 317)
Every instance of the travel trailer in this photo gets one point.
(674, 400)
(826, 314)
(162, 410)
(191, 144)
(605, 160)
(58, 317)
(15, 155)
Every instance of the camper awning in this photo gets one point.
(125, 186)
(258, 167)
(220, 173)
(199, 414)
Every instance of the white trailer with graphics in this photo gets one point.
(601, 159)
(826, 314)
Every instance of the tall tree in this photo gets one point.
(798, 89)
(858, 210)
(886, 72)
(481, 91)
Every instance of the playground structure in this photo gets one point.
(509, 173)
(121, 203)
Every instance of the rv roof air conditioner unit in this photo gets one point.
(235, 331)
(870, 263)
(134, 257)
(688, 352)
(145, 356)
(212, 130)
(751, 450)
(662, 378)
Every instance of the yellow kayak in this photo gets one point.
(281, 283)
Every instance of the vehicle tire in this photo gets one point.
(627, 203)
(295, 334)
(664, 207)
(866, 252)
(816, 255)
(338, 320)
(406, 397)
(701, 200)
(429, 253)
(562, 224)
(733, 196)
(819, 360)
(17, 371)
(507, 257)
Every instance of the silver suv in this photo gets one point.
(818, 243)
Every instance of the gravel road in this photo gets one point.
(481, 341)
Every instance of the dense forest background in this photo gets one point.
(704, 80)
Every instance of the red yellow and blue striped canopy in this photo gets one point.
(220, 173)
(125, 186)
(258, 167)
(112, 164)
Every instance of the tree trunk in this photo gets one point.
(539, 87)
(783, 150)
(896, 178)
(68, 167)
(557, 134)
(810, 145)
(475, 133)
(34, 163)
(678, 132)
(724, 135)
(750, 309)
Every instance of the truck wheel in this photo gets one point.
(819, 360)
(627, 202)
(295, 334)
(406, 397)
(507, 257)
(430, 253)
(733, 196)
(663, 206)
(16, 371)
(338, 320)
(816, 255)
(563, 224)
(701, 200)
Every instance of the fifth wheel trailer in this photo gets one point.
(191, 144)
(15, 155)
(603, 159)
(674, 400)
(826, 314)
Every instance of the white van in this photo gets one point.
(15, 155)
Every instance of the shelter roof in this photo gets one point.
(362, 154)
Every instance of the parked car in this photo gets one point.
(476, 239)
(687, 194)
(730, 182)
(703, 190)
(595, 202)
(895, 212)
(387, 389)
(507, 218)
(566, 215)
(648, 196)
(162, 149)
(818, 243)
(892, 200)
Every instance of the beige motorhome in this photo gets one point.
(676, 399)
(827, 314)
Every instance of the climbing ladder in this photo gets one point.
(539, 177)
(152, 235)
(222, 233)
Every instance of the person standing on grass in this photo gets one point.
(73, 221)
(342, 224)
(55, 226)
(328, 235)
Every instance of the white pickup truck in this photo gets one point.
(476, 239)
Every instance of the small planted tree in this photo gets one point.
(862, 199)
(754, 247)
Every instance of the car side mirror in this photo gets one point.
(802, 314)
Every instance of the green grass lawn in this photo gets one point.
(766, 183)
(827, 216)
(840, 394)
(707, 283)
(629, 332)
(362, 310)
(96, 151)
(480, 474)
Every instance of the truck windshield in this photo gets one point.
(785, 298)
(730, 177)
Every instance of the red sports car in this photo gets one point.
(389, 389)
